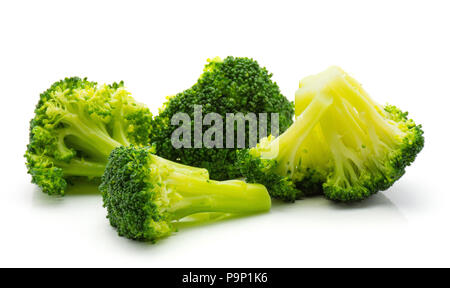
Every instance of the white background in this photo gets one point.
(399, 50)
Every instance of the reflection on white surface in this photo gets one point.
(377, 208)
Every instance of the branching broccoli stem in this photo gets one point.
(348, 149)
(146, 195)
(273, 162)
(77, 124)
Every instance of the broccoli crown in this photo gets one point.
(77, 123)
(230, 86)
(342, 144)
(133, 196)
(146, 195)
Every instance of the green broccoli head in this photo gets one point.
(230, 86)
(146, 195)
(77, 123)
(342, 143)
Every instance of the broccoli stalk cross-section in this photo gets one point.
(146, 195)
(77, 124)
(342, 144)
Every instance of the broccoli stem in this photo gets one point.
(82, 168)
(197, 195)
(118, 130)
(93, 139)
(355, 132)
(76, 167)
(365, 106)
(346, 161)
(285, 148)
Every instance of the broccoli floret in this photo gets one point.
(146, 195)
(230, 86)
(342, 144)
(77, 124)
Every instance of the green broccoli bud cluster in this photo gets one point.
(234, 85)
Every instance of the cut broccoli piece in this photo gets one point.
(230, 86)
(145, 195)
(77, 124)
(342, 144)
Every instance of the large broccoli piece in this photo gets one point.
(342, 143)
(77, 124)
(230, 86)
(146, 195)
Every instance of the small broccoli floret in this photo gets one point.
(146, 195)
(342, 143)
(230, 86)
(77, 124)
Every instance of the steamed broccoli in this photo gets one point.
(146, 195)
(342, 144)
(77, 124)
(230, 86)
